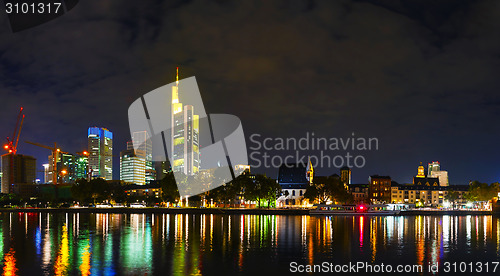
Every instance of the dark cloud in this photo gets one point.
(419, 75)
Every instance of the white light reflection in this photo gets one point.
(468, 229)
(229, 229)
(446, 232)
(390, 227)
(401, 226)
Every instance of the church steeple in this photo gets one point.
(421, 171)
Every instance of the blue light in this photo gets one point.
(108, 134)
(93, 131)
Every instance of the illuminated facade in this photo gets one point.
(433, 167)
(144, 149)
(143, 190)
(46, 175)
(360, 192)
(345, 176)
(185, 135)
(67, 163)
(17, 169)
(294, 179)
(420, 171)
(380, 188)
(81, 166)
(426, 195)
(132, 167)
(100, 148)
(422, 179)
(435, 171)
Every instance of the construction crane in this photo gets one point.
(12, 142)
(11, 146)
(55, 156)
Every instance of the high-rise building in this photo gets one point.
(100, 148)
(66, 168)
(17, 169)
(433, 167)
(161, 169)
(46, 175)
(70, 167)
(81, 166)
(132, 167)
(144, 149)
(185, 135)
(435, 171)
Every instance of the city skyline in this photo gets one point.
(420, 82)
(433, 169)
(250, 137)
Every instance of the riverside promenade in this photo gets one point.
(232, 211)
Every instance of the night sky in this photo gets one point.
(421, 76)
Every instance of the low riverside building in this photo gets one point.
(380, 188)
(360, 192)
(151, 190)
(294, 179)
(427, 195)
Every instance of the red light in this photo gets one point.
(361, 207)
(6, 147)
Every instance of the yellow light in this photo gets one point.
(177, 77)
(58, 150)
(64, 172)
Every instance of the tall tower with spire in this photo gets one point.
(421, 171)
(185, 135)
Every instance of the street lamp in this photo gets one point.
(63, 173)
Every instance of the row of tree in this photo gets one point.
(326, 189)
(258, 188)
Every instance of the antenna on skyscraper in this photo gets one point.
(177, 77)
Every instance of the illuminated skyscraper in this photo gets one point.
(100, 141)
(81, 166)
(433, 167)
(144, 150)
(65, 162)
(17, 169)
(46, 175)
(132, 167)
(185, 135)
(75, 167)
(435, 171)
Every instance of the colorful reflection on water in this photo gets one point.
(180, 244)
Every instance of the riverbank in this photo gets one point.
(220, 211)
(444, 213)
(229, 211)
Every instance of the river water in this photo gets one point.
(187, 244)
